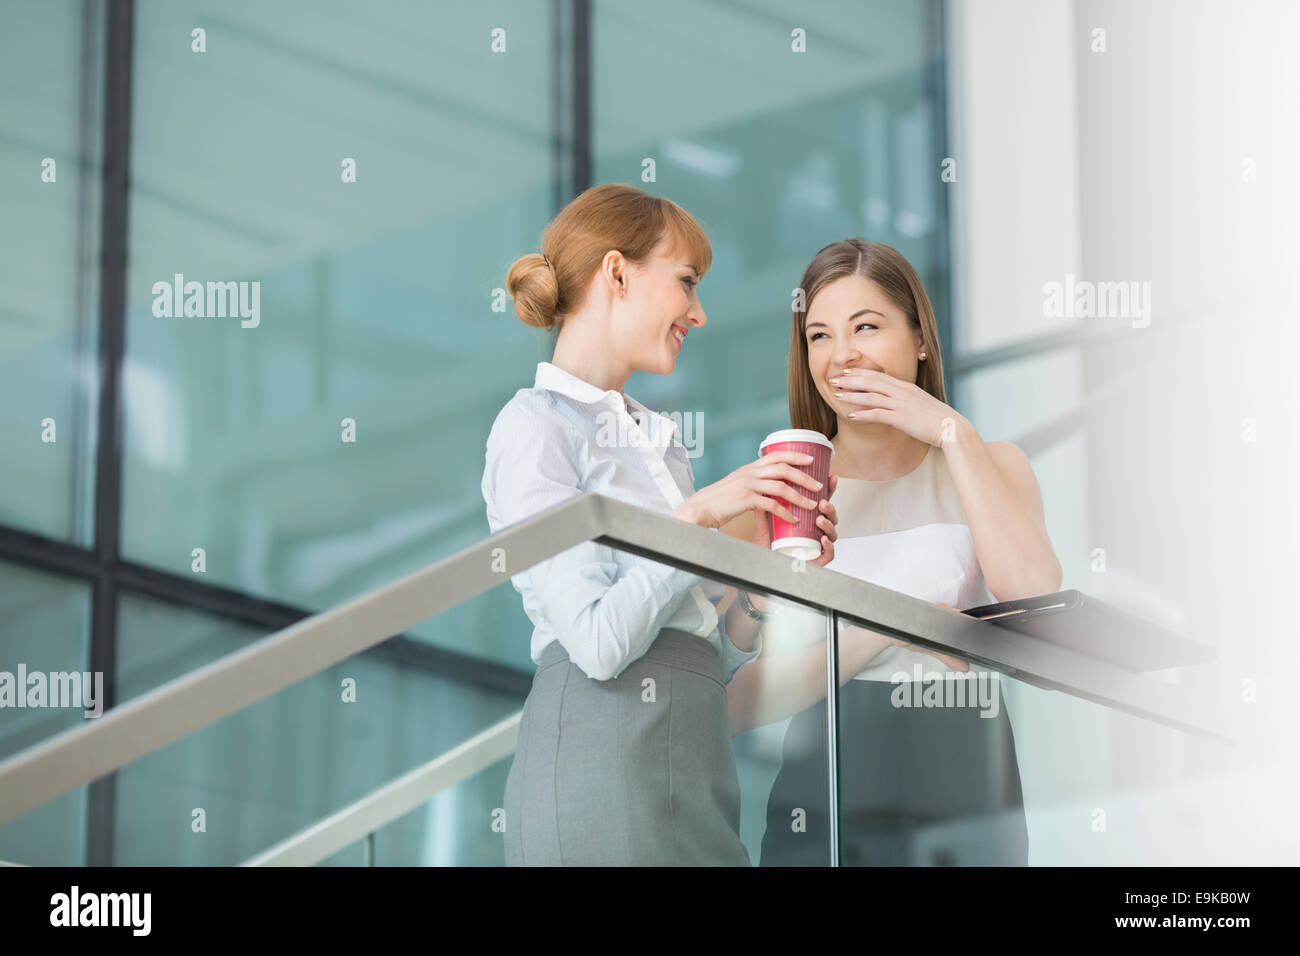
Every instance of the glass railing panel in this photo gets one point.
(666, 720)
(229, 791)
(927, 761)
(655, 724)
(948, 762)
(868, 774)
(1105, 788)
(462, 826)
(44, 660)
(788, 809)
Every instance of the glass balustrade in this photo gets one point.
(670, 693)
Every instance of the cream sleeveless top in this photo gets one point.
(907, 534)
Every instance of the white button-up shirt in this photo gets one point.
(564, 437)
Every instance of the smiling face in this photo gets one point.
(661, 306)
(851, 323)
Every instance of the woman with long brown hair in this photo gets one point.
(604, 772)
(925, 507)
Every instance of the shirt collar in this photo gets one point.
(555, 379)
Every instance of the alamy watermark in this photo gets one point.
(211, 300)
(75, 908)
(935, 689)
(1083, 299)
(620, 431)
(53, 689)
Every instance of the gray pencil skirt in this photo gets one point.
(634, 771)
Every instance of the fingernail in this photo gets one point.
(852, 414)
(819, 484)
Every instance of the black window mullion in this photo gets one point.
(112, 338)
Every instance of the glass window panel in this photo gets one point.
(1016, 205)
(836, 141)
(51, 70)
(1011, 401)
(375, 296)
(1007, 400)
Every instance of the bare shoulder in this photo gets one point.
(1017, 470)
(1009, 454)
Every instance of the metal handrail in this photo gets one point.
(196, 700)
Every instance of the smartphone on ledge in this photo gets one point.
(1043, 602)
(1073, 619)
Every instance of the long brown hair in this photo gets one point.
(885, 266)
(549, 286)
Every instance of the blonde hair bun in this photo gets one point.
(532, 284)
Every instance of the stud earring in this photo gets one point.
(922, 356)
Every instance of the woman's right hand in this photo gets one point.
(754, 486)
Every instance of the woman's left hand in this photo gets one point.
(826, 521)
(952, 663)
(904, 405)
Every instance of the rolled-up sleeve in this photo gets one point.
(604, 616)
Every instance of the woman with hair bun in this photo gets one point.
(602, 776)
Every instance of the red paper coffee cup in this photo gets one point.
(801, 539)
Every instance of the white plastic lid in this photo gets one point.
(796, 434)
(805, 549)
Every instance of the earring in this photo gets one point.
(922, 356)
